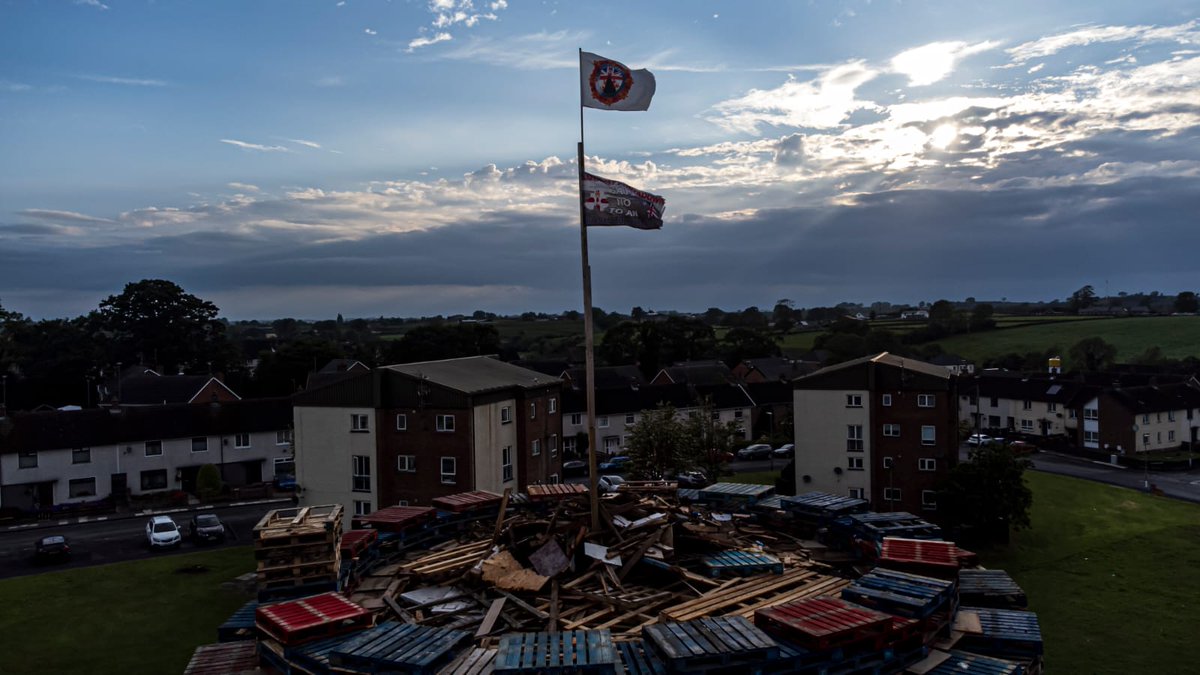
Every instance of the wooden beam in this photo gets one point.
(489, 619)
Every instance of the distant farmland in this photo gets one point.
(1177, 336)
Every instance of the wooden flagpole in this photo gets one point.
(589, 339)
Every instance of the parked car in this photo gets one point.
(980, 439)
(609, 483)
(1022, 447)
(785, 451)
(162, 532)
(615, 464)
(692, 479)
(756, 451)
(723, 457)
(285, 481)
(575, 467)
(206, 527)
(51, 548)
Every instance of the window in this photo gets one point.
(82, 487)
(926, 464)
(886, 401)
(1072, 413)
(928, 435)
(929, 500)
(993, 421)
(552, 406)
(856, 493)
(853, 401)
(737, 414)
(1091, 414)
(536, 448)
(854, 437)
(924, 400)
(554, 480)
(359, 422)
(891, 430)
(715, 416)
(1158, 437)
(1091, 437)
(891, 494)
(449, 470)
(153, 448)
(81, 456)
(154, 479)
(1145, 440)
(1170, 436)
(994, 402)
(1146, 419)
(854, 463)
(362, 508)
(401, 422)
(241, 440)
(505, 414)
(406, 463)
(362, 473)
(533, 411)
(283, 437)
(553, 444)
(1027, 426)
(506, 464)
(569, 446)
(200, 444)
(285, 466)
(1170, 415)
(27, 460)
(401, 502)
(1026, 405)
(1157, 417)
(602, 422)
(445, 423)
(887, 462)
(630, 418)
(576, 418)
(1051, 407)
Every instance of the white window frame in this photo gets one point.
(552, 405)
(887, 462)
(929, 500)
(360, 423)
(1026, 405)
(891, 430)
(449, 477)
(1072, 413)
(630, 418)
(1027, 426)
(737, 414)
(1091, 413)
(569, 444)
(362, 507)
(926, 400)
(854, 463)
(1090, 436)
(1170, 436)
(577, 418)
(533, 410)
(77, 453)
(506, 464)
(157, 444)
(933, 439)
(360, 471)
(926, 464)
(241, 440)
(24, 457)
(1146, 418)
(553, 445)
(196, 438)
(401, 422)
(885, 401)
(283, 437)
(854, 438)
(602, 422)
(1051, 407)
(554, 479)
(442, 426)
(892, 494)
(406, 463)
(856, 493)
(75, 482)
(854, 400)
(401, 502)
(535, 448)
(505, 414)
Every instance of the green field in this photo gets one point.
(1176, 336)
(144, 616)
(1112, 575)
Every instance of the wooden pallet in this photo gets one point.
(705, 644)
(404, 647)
(1006, 633)
(638, 659)
(467, 501)
(825, 623)
(299, 526)
(735, 493)
(900, 593)
(920, 556)
(319, 616)
(539, 493)
(476, 661)
(230, 658)
(239, 626)
(575, 651)
(741, 563)
(397, 518)
(956, 663)
(990, 588)
(450, 562)
(741, 597)
(356, 542)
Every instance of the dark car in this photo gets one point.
(692, 479)
(614, 464)
(575, 467)
(53, 548)
(285, 481)
(206, 527)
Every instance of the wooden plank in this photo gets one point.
(500, 516)
(489, 619)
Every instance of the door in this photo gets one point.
(117, 487)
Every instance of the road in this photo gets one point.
(1178, 484)
(100, 542)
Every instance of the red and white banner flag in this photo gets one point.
(611, 85)
(609, 202)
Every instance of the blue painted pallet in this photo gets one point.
(975, 664)
(774, 503)
(747, 493)
(990, 588)
(900, 593)
(299, 591)
(239, 626)
(638, 659)
(708, 644)
(313, 657)
(875, 526)
(573, 651)
(741, 562)
(399, 647)
(821, 506)
(688, 494)
(1005, 633)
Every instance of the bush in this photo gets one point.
(208, 482)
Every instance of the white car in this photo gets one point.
(980, 439)
(162, 532)
(609, 483)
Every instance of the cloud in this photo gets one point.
(307, 144)
(127, 81)
(92, 3)
(254, 146)
(821, 103)
(68, 216)
(416, 43)
(1187, 33)
(7, 85)
(532, 51)
(244, 187)
(368, 31)
(933, 62)
(329, 81)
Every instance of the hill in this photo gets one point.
(1177, 336)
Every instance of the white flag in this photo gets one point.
(611, 85)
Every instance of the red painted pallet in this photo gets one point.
(467, 501)
(297, 621)
(397, 518)
(224, 659)
(556, 491)
(933, 558)
(355, 542)
(824, 623)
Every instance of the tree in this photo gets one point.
(987, 494)
(740, 344)
(208, 482)
(1092, 354)
(981, 317)
(447, 341)
(154, 321)
(706, 439)
(656, 444)
(1082, 298)
(1187, 303)
(637, 313)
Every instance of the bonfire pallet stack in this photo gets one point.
(296, 551)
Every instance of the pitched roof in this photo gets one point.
(949, 360)
(770, 393)
(1157, 398)
(164, 389)
(885, 359)
(698, 372)
(607, 377)
(780, 368)
(334, 371)
(475, 374)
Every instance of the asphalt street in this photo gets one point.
(115, 540)
(1178, 484)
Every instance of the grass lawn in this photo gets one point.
(1176, 336)
(754, 477)
(1112, 574)
(132, 617)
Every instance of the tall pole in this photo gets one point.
(589, 338)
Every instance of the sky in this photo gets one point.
(418, 157)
